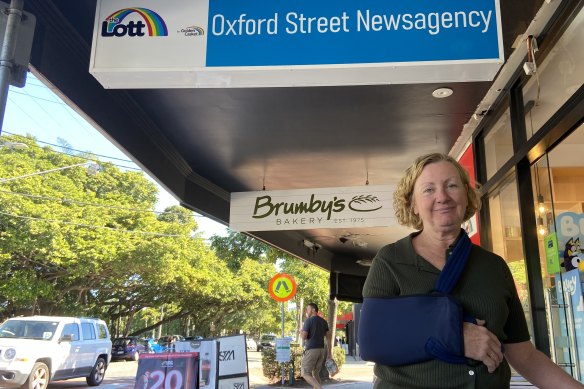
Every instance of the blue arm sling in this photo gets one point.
(402, 330)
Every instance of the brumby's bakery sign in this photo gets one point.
(356, 206)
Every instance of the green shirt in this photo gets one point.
(486, 290)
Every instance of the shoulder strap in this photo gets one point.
(454, 265)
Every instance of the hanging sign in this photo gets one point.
(282, 287)
(256, 43)
(297, 209)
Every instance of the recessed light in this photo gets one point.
(441, 93)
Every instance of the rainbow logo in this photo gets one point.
(155, 24)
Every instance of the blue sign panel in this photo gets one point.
(310, 32)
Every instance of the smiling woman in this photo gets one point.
(435, 197)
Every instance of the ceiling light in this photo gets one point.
(365, 262)
(441, 93)
(540, 227)
(540, 204)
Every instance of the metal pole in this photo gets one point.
(283, 368)
(7, 53)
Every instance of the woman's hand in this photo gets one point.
(482, 345)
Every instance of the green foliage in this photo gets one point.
(273, 370)
(236, 247)
(75, 243)
(339, 356)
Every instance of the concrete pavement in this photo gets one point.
(358, 374)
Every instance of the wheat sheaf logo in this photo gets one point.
(364, 203)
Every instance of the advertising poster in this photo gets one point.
(208, 361)
(167, 371)
(570, 285)
(570, 229)
(234, 383)
(562, 338)
(232, 356)
(552, 255)
(233, 372)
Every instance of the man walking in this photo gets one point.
(313, 333)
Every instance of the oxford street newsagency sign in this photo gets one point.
(263, 43)
(361, 206)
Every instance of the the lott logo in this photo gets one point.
(151, 23)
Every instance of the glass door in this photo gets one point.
(558, 186)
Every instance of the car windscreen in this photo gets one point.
(28, 329)
(122, 341)
(269, 337)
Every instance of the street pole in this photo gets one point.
(283, 368)
(7, 53)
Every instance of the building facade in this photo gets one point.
(528, 154)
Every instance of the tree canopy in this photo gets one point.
(74, 241)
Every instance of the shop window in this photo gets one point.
(559, 185)
(506, 238)
(558, 77)
(498, 144)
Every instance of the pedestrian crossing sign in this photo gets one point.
(282, 287)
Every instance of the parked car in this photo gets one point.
(251, 344)
(128, 348)
(196, 337)
(267, 341)
(167, 340)
(37, 350)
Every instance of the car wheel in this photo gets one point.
(135, 356)
(38, 378)
(97, 373)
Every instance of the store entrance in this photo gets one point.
(558, 188)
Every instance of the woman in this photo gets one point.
(435, 197)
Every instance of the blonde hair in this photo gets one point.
(403, 195)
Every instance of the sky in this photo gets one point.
(36, 110)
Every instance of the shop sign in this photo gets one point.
(298, 209)
(256, 43)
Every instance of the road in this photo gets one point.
(121, 375)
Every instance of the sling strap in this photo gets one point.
(454, 265)
(445, 284)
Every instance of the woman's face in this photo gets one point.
(440, 197)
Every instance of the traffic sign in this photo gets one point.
(282, 287)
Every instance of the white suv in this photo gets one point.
(38, 349)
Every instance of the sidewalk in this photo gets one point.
(354, 374)
(358, 374)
